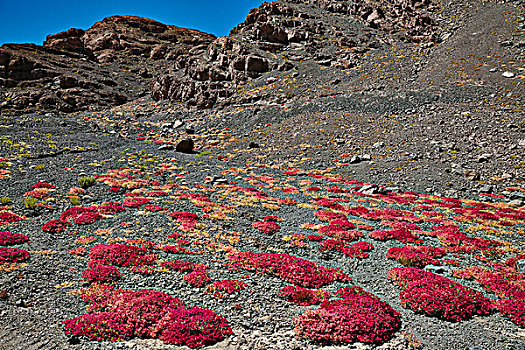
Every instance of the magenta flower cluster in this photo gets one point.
(268, 227)
(402, 235)
(328, 215)
(289, 268)
(356, 250)
(434, 295)
(12, 238)
(101, 273)
(13, 255)
(120, 255)
(119, 314)
(7, 216)
(55, 226)
(303, 296)
(358, 317)
(198, 278)
(513, 309)
(229, 286)
(135, 202)
(340, 229)
(184, 216)
(43, 185)
(179, 265)
(82, 216)
(416, 256)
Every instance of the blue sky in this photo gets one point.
(30, 21)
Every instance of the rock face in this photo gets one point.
(326, 31)
(117, 58)
(109, 64)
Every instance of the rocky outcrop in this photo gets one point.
(70, 40)
(411, 18)
(277, 35)
(142, 37)
(116, 59)
(203, 81)
(109, 64)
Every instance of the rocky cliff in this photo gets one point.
(109, 64)
(278, 35)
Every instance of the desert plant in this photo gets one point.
(29, 202)
(86, 181)
(75, 200)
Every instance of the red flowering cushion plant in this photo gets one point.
(192, 326)
(416, 256)
(292, 269)
(225, 286)
(434, 295)
(121, 314)
(268, 227)
(135, 202)
(198, 278)
(6, 216)
(120, 255)
(303, 296)
(513, 309)
(402, 235)
(12, 238)
(13, 255)
(506, 282)
(179, 265)
(358, 316)
(101, 273)
(341, 229)
(55, 226)
(103, 326)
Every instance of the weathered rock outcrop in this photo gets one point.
(409, 17)
(203, 80)
(117, 58)
(277, 35)
(109, 64)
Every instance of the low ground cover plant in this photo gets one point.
(13, 255)
(358, 316)
(289, 268)
(434, 295)
(11, 238)
(120, 314)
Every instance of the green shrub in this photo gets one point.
(29, 202)
(86, 181)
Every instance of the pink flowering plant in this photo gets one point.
(289, 268)
(7, 216)
(13, 255)
(303, 296)
(402, 235)
(513, 309)
(119, 314)
(268, 227)
(434, 295)
(229, 286)
(358, 316)
(120, 255)
(55, 226)
(102, 274)
(12, 238)
(416, 256)
(198, 278)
